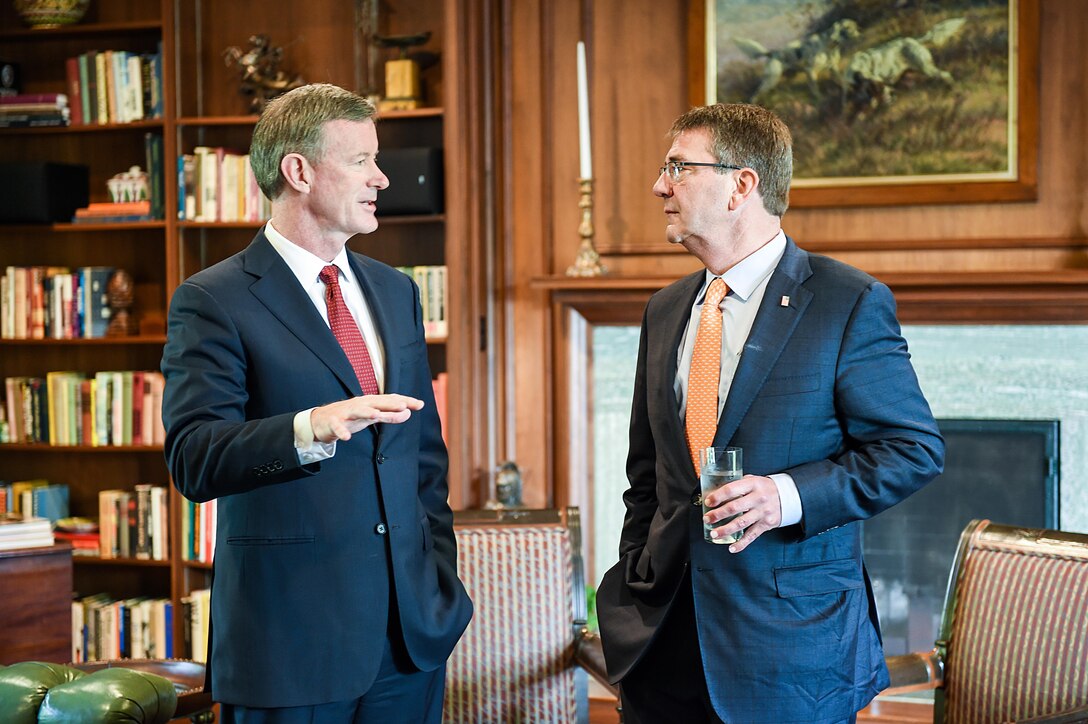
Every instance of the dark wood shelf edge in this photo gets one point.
(139, 562)
(83, 29)
(156, 340)
(153, 123)
(41, 447)
(67, 227)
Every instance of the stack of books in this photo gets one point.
(19, 532)
(109, 212)
(82, 533)
(34, 109)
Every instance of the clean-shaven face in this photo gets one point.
(696, 206)
(347, 179)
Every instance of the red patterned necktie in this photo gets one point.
(347, 332)
(701, 416)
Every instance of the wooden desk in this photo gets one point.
(36, 604)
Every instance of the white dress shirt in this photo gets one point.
(747, 282)
(306, 267)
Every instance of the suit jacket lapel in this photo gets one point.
(374, 291)
(771, 330)
(278, 290)
(667, 331)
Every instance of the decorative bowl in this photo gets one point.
(51, 13)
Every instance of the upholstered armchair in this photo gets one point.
(1013, 642)
(141, 691)
(526, 652)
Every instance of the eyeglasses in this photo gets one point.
(672, 169)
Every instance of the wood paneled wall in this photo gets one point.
(639, 84)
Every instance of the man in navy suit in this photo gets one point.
(815, 385)
(298, 396)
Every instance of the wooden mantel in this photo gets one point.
(1035, 297)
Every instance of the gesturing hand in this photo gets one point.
(340, 420)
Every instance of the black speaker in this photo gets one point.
(415, 181)
(42, 192)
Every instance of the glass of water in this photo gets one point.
(718, 466)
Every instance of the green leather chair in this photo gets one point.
(140, 691)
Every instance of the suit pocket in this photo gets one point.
(791, 385)
(269, 540)
(811, 579)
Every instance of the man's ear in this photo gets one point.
(297, 171)
(747, 183)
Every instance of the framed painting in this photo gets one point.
(889, 101)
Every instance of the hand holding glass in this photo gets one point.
(718, 466)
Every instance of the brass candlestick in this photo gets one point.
(588, 262)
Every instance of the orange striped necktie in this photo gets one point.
(701, 417)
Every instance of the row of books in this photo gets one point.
(198, 531)
(134, 524)
(35, 498)
(37, 109)
(114, 86)
(217, 184)
(71, 408)
(197, 612)
(105, 628)
(44, 302)
(433, 283)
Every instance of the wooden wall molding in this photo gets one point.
(1050, 297)
(833, 246)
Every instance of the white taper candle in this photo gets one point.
(585, 155)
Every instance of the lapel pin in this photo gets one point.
(785, 301)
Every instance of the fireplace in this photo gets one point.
(1003, 470)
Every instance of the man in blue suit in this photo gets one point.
(814, 383)
(298, 395)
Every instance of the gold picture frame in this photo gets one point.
(823, 76)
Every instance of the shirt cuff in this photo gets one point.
(788, 498)
(310, 450)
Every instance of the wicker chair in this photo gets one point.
(1013, 643)
(526, 652)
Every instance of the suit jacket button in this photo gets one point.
(380, 529)
(381, 458)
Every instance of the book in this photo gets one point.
(96, 304)
(43, 121)
(87, 93)
(155, 171)
(19, 532)
(115, 208)
(51, 501)
(71, 75)
(54, 98)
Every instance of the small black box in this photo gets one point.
(42, 192)
(415, 181)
